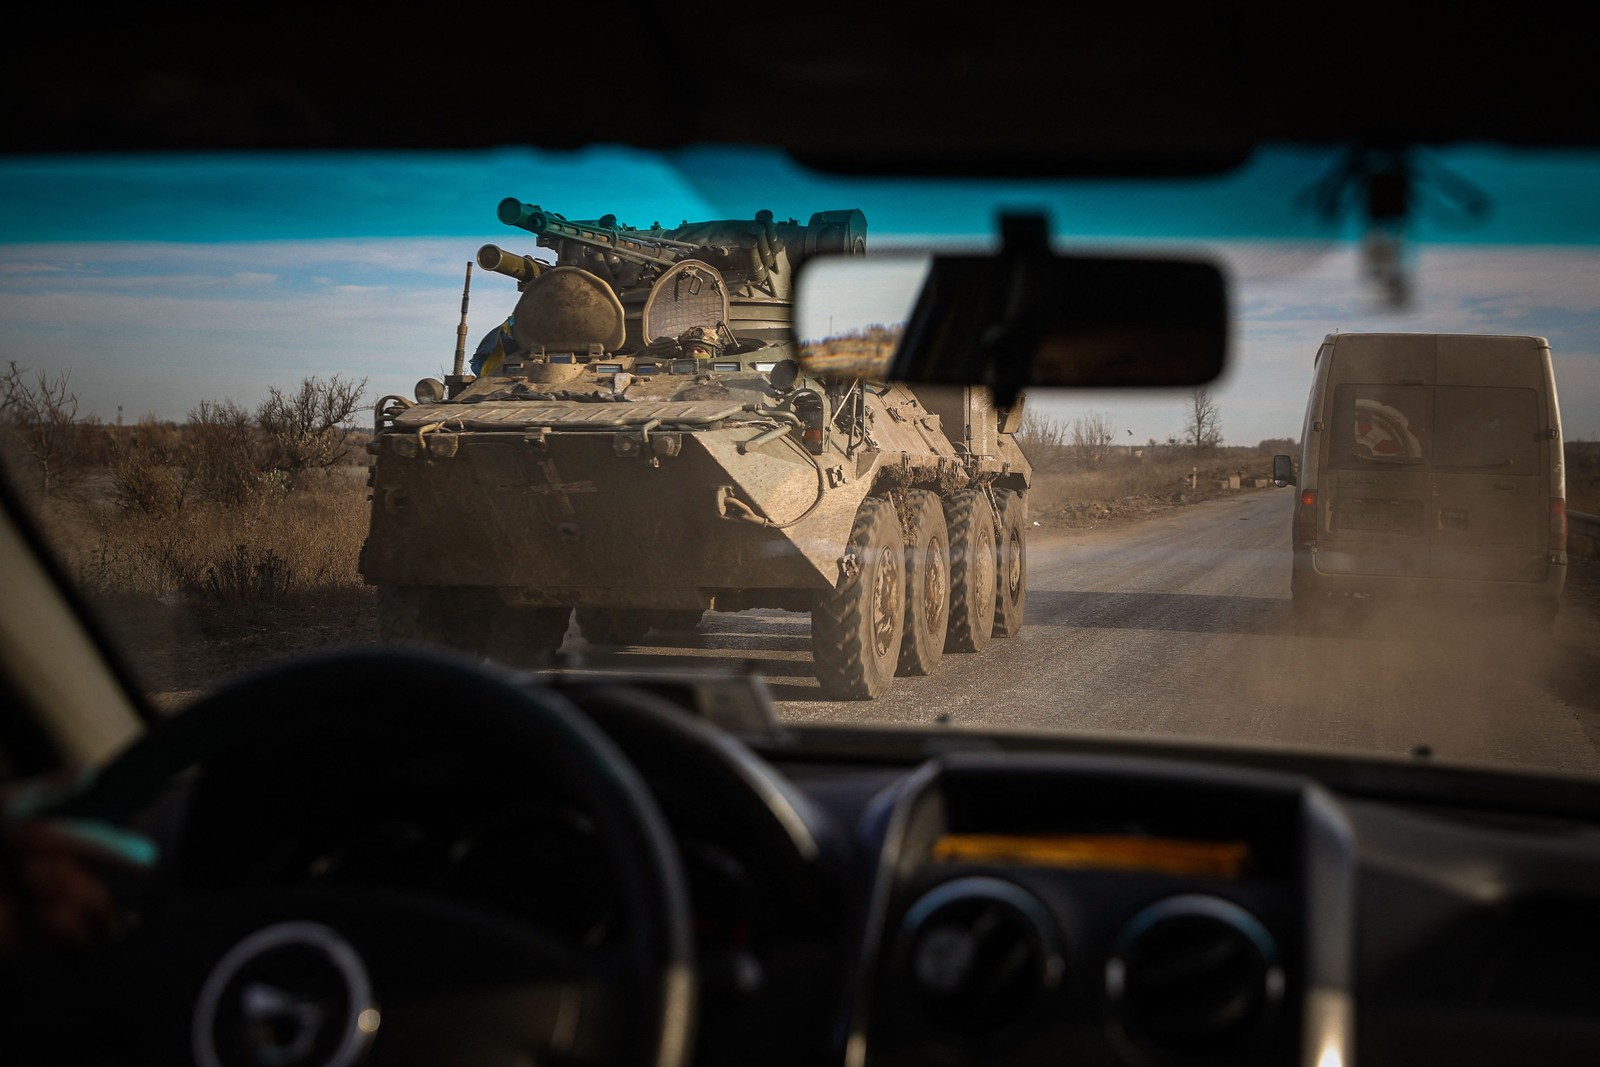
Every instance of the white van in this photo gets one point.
(1430, 464)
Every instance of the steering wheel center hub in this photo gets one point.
(293, 994)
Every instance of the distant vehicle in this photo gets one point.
(1430, 464)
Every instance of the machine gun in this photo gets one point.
(753, 247)
(649, 247)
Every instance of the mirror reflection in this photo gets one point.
(1022, 317)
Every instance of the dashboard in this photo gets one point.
(1029, 900)
(891, 897)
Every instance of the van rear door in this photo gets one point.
(1437, 453)
(1376, 489)
(1491, 459)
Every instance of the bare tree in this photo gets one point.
(1202, 426)
(1044, 441)
(41, 419)
(228, 457)
(148, 469)
(1091, 438)
(219, 455)
(308, 428)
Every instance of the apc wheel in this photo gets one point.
(856, 631)
(927, 583)
(1307, 605)
(455, 617)
(1011, 583)
(972, 571)
(527, 637)
(670, 620)
(613, 626)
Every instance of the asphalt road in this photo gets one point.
(1179, 626)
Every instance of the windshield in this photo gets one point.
(266, 406)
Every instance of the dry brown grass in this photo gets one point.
(205, 590)
(1122, 486)
(271, 548)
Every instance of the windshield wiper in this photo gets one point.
(1460, 467)
(1398, 461)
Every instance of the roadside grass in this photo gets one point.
(1123, 486)
(268, 550)
(198, 594)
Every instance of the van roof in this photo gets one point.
(1544, 342)
(1436, 359)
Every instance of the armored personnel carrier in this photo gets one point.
(640, 444)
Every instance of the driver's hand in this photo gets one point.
(54, 872)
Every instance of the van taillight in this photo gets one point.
(1305, 520)
(1558, 524)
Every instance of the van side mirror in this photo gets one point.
(1283, 471)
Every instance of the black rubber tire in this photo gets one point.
(399, 613)
(527, 637)
(856, 631)
(972, 571)
(1307, 606)
(453, 617)
(1011, 577)
(676, 620)
(927, 583)
(613, 626)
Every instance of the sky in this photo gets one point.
(158, 282)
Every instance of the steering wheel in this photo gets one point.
(297, 973)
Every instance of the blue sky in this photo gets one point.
(159, 282)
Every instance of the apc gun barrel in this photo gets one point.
(603, 234)
(522, 268)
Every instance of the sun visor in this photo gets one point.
(567, 310)
(689, 294)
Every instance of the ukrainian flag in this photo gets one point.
(491, 350)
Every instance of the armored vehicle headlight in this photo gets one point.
(784, 374)
(429, 391)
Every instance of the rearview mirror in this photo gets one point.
(1023, 317)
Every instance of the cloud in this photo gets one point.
(26, 267)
